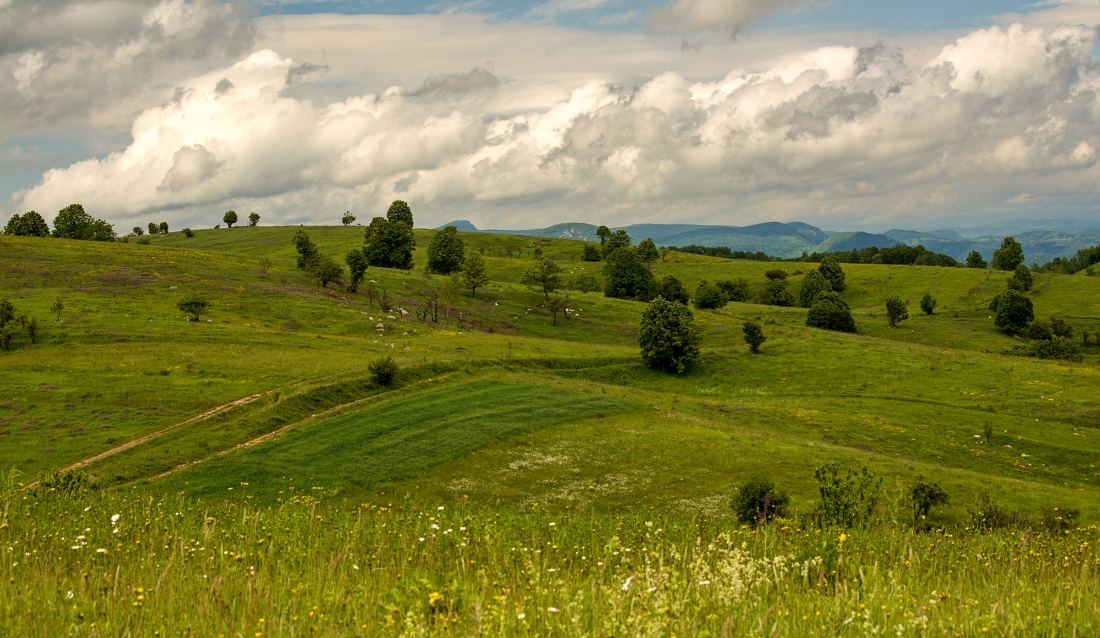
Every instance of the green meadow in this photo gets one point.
(254, 461)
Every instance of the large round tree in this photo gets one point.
(446, 252)
(669, 339)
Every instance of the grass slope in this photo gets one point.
(394, 439)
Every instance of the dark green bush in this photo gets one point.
(757, 501)
(671, 289)
(669, 340)
(709, 297)
(737, 290)
(847, 501)
(830, 312)
(383, 371)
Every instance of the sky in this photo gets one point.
(847, 114)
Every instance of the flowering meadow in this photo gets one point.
(124, 563)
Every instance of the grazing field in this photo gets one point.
(303, 484)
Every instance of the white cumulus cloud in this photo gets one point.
(863, 134)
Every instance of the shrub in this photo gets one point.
(847, 501)
(193, 305)
(265, 265)
(757, 501)
(975, 260)
(63, 483)
(775, 293)
(29, 224)
(708, 296)
(587, 283)
(188, 233)
(754, 336)
(1060, 328)
(928, 304)
(307, 250)
(669, 340)
(671, 289)
(1014, 312)
(1059, 348)
(737, 290)
(896, 310)
(473, 272)
(813, 284)
(831, 270)
(1021, 279)
(925, 495)
(776, 273)
(143, 241)
(383, 371)
(1058, 520)
(591, 253)
(325, 270)
(987, 514)
(830, 312)
(33, 330)
(356, 259)
(7, 335)
(1039, 331)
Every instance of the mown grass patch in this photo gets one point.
(390, 440)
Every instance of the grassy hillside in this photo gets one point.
(268, 399)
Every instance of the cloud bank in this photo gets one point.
(862, 134)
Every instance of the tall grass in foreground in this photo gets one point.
(118, 564)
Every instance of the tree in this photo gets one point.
(757, 501)
(895, 310)
(813, 284)
(587, 283)
(399, 211)
(7, 312)
(1008, 256)
(557, 305)
(776, 274)
(709, 297)
(163, 228)
(138, 231)
(831, 270)
(153, 228)
(734, 290)
(56, 308)
(193, 306)
(671, 289)
(974, 260)
(776, 294)
(616, 240)
(357, 262)
(307, 250)
(72, 222)
(7, 334)
(188, 233)
(33, 330)
(230, 218)
(591, 253)
(625, 276)
(830, 312)
(473, 272)
(325, 270)
(1021, 278)
(669, 340)
(543, 276)
(253, 218)
(647, 250)
(928, 304)
(29, 224)
(389, 244)
(347, 219)
(754, 336)
(1014, 311)
(603, 232)
(446, 251)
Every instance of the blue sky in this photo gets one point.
(626, 15)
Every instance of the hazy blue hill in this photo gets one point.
(851, 240)
(568, 230)
(460, 224)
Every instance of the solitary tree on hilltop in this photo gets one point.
(230, 218)
(253, 218)
(153, 228)
(163, 228)
(399, 211)
(347, 219)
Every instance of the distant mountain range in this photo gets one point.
(793, 238)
